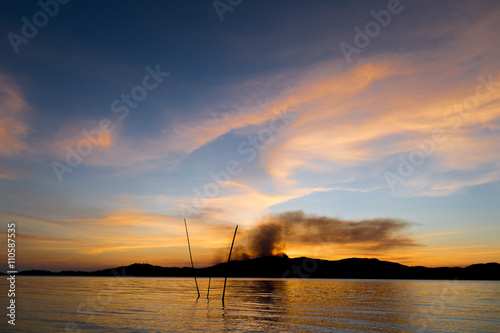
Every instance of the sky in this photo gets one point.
(336, 129)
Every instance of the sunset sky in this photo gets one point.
(365, 129)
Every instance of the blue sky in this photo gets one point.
(269, 99)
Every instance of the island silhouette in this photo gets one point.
(294, 268)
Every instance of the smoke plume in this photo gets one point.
(275, 231)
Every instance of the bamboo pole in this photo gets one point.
(208, 291)
(191, 256)
(228, 260)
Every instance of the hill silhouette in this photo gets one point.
(284, 267)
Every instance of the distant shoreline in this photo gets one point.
(257, 278)
(275, 267)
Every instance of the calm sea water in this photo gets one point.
(46, 304)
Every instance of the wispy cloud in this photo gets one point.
(14, 126)
(440, 234)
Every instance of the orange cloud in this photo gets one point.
(346, 130)
(13, 125)
(122, 236)
(84, 132)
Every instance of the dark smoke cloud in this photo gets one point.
(275, 231)
(266, 240)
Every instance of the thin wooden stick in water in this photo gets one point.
(191, 256)
(208, 291)
(228, 260)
